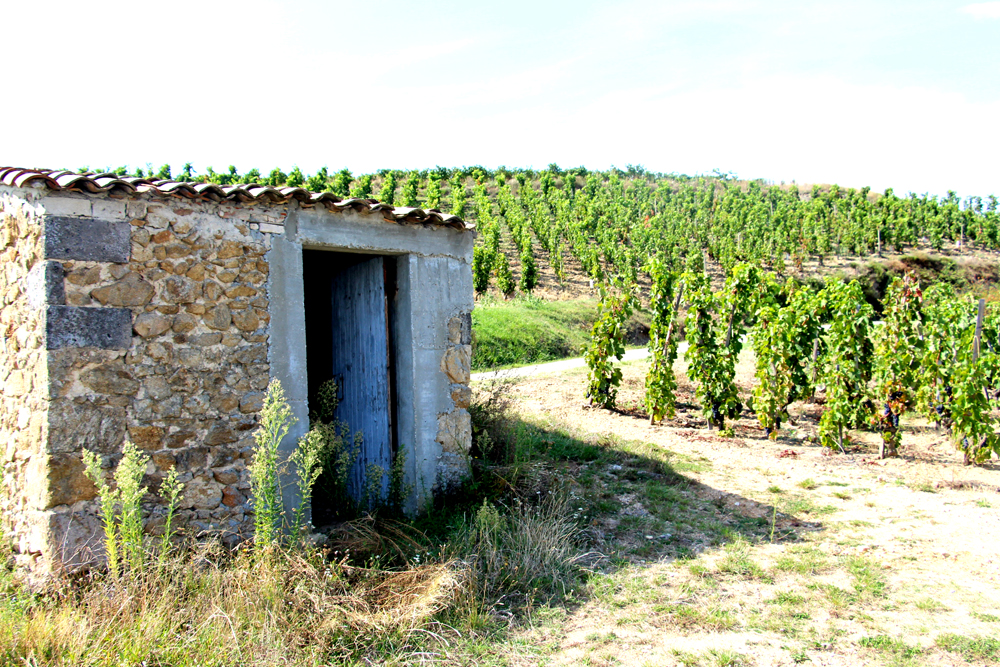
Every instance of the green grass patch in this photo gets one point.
(970, 648)
(931, 605)
(527, 330)
(802, 560)
(895, 650)
(787, 598)
(795, 506)
(869, 580)
(737, 561)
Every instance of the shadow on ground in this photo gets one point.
(635, 504)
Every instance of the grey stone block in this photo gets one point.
(86, 239)
(45, 285)
(74, 326)
(466, 328)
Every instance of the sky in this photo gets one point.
(884, 94)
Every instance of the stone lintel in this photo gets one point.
(86, 239)
(76, 326)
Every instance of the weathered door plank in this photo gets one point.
(361, 366)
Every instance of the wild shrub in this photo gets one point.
(170, 490)
(121, 513)
(307, 460)
(318, 449)
(339, 450)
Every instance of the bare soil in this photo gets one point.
(769, 552)
(978, 266)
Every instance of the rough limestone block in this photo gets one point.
(131, 290)
(202, 495)
(109, 209)
(87, 239)
(74, 326)
(67, 483)
(461, 395)
(150, 325)
(457, 364)
(68, 206)
(460, 329)
(45, 285)
(73, 427)
(455, 432)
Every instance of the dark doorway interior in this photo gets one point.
(349, 319)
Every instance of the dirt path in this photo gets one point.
(557, 366)
(770, 552)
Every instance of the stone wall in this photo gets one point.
(150, 319)
(455, 426)
(23, 376)
(188, 387)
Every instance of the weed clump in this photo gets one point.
(494, 426)
(520, 555)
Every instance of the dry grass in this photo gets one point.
(298, 606)
(215, 608)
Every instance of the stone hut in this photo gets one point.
(158, 311)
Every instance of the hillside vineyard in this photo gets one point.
(935, 354)
(611, 221)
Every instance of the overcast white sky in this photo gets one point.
(886, 94)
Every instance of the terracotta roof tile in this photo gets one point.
(247, 193)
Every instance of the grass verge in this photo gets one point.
(527, 329)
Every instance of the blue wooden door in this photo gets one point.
(361, 368)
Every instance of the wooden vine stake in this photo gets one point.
(677, 306)
(729, 329)
(670, 329)
(815, 357)
(977, 340)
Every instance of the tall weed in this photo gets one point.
(121, 510)
(275, 420)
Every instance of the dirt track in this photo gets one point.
(868, 561)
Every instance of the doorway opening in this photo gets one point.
(350, 316)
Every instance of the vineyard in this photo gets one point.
(644, 240)
(611, 222)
